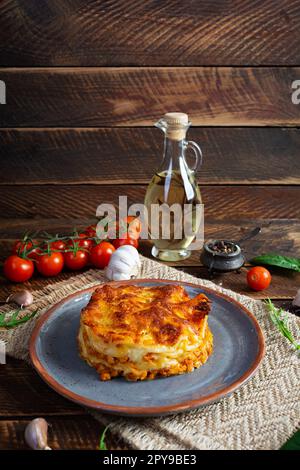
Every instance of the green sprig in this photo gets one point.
(280, 320)
(14, 319)
(274, 259)
(102, 444)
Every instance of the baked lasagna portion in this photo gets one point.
(144, 332)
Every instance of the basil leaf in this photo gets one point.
(293, 443)
(14, 316)
(277, 260)
(280, 320)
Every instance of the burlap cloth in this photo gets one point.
(262, 414)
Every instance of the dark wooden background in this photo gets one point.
(85, 82)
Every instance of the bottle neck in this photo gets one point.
(173, 157)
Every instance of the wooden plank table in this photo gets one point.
(85, 82)
(23, 394)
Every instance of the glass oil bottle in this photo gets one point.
(173, 183)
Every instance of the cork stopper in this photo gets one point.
(177, 124)
(176, 119)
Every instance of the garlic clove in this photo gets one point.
(296, 301)
(23, 298)
(36, 434)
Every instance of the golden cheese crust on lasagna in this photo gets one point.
(144, 332)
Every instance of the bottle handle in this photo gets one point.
(197, 152)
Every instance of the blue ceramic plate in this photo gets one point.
(238, 351)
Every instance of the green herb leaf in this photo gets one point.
(14, 316)
(277, 260)
(14, 321)
(280, 320)
(102, 445)
(293, 443)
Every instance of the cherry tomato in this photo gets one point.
(134, 227)
(125, 241)
(258, 278)
(58, 245)
(34, 253)
(130, 225)
(50, 264)
(76, 260)
(20, 246)
(18, 269)
(90, 231)
(83, 241)
(28, 247)
(101, 253)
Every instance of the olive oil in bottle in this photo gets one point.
(173, 193)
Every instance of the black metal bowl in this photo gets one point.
(221, 261)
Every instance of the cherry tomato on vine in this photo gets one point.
(82, 241)
(101, 253)
(134, 227)
(258, 278)
(20, 246)
(130, 225)
(76, 260)
(59, 245)
(125, 241)
(18, 269)
(90, 231)
(25, 247)
(50, 264)
(34, 253)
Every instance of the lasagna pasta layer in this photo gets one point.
(144, 332)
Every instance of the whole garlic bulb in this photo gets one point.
(124, 263)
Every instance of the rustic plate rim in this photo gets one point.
(143, 411)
